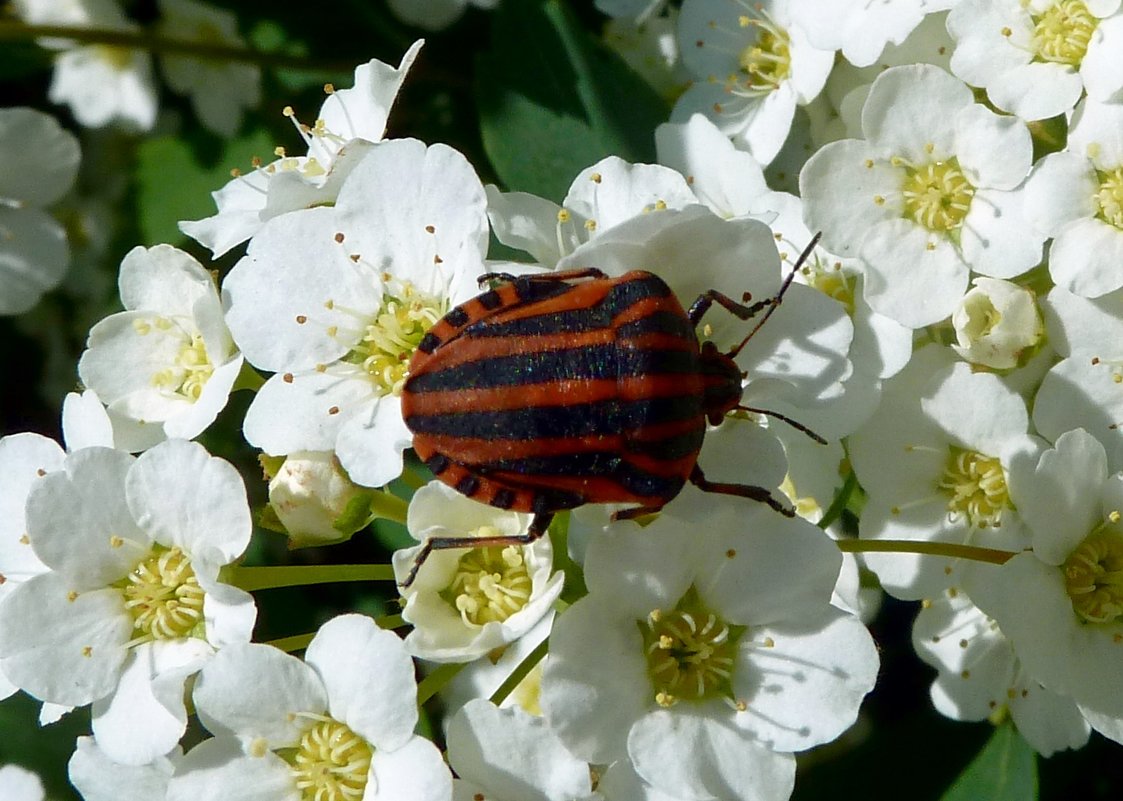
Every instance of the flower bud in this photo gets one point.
(996, 322)
(315, 500)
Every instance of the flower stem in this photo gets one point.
(155, 43)
(386, 506)
(273, 576)
(952, 549)
(297, 642)
(436, 681)
(838, 505)
(520, 673)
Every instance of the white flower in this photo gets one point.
(980, 676)
(927, 198)
(1035, 58)
(1085, 389)
(132, 604)
(345, 718)
(754, 65)
(938, 463)
(315, 501)
(1060, 603)
(335, 300)
(861, 29)
(466, 602)
(20, 784)
(168, 358)
(101, 83)
(99, 778)
(510, 755)
(996, 323)
(602, 196)
(694, 639)
(434, 15)
(349, 121)
(1076, 197)
(40, 163)
(219, 90)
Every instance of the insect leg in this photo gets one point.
(707, 299)
(698, 479)
(636, 511)
(538, 527)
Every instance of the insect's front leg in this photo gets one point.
(709, 297)
(538, 527)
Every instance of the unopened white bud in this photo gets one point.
(996, 322)
(315, 500)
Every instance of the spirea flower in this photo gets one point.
(693, 639)
(219, 90)
(1076, 197)
(102, 84)
(349, 121)
(1035, 58)
(1061, 602)
(927, 197)
(40, 163)
(168, 358)
(466, 602)
(997, 324)
(132, 604)
(860, 29)
(753, 66)
(336, 727)
(938, 463)
(334, 301)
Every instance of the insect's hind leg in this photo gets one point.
(538, 527)
(698, 479)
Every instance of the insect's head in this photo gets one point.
(721, 382)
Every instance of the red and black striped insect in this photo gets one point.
(554, 390)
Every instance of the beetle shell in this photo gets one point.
(549, 392)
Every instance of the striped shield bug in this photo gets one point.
(553, 390)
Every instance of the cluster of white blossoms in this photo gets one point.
(949, 339)
(114, 83)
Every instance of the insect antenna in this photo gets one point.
(779, 296)
(793, 423)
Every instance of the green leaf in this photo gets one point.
(1004, 770)
(173, 184)
(554, 100)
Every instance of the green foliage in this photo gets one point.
(174, 184)
(1004, 770)
(553, 100)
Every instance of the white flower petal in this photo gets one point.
(346, 652)
(995, 151)
(98, 778)
(185, 498)
(371, 442)
(218, 770)
(1085, 257)
(414, 772)
(33, 257)
(44, 172)
(911, 107)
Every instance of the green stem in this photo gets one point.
(156, 43)
(390, 622)
(520, 673)
(952, 549)
(248, 378)
(297, 642)
(385, 505)
(273, 576)
(838, 505)
(436, 681)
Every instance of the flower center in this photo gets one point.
(767, 62)
(490, 584)
(1109, 198)
(690, 652)
(981, 317)
(332, 763)
(976, 487)
(164, 597)
(1094, 577)
(118, 58)
(937, 195)
(833, 282)
(390, 339)
(192, 367)
(1062, 33)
